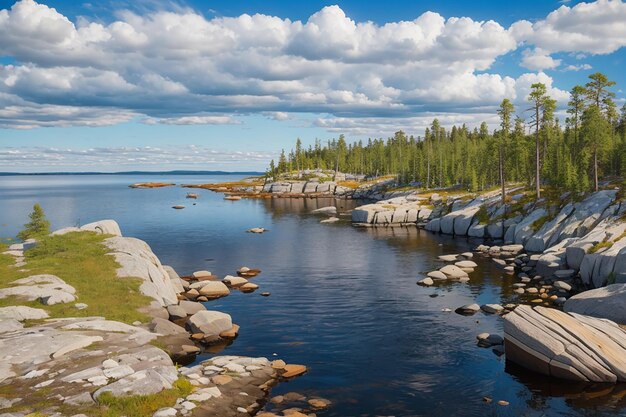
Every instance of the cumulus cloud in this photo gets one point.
(538, 60)
(177, 66)
(594, 28)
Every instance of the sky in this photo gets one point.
(118, 85)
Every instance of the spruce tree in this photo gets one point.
(38, 226)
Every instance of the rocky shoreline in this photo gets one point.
(73, 365)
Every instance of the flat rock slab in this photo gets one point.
(607, 302)
(236, 386)
(21, 313)
(566, 345)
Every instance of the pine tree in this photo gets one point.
(595, 133)
(505, 112)
(38, 226)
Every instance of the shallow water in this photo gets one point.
(343, 299)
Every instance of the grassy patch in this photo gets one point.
(349, 184)
(81, 260)
(140, 405)
(600, 245)
(538, 224)
(481, 215)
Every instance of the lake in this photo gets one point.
(344, 300)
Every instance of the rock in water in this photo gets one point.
(453, 272)
(330, 210)
(607, 302)
(214, 289)
(211, 323)
(426, 282)
(468, 309)
(568, 346)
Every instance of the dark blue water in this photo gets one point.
(343, 300)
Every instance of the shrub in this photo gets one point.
(481, 215)
(38, 225)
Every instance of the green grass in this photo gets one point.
(600, 245)
(481, 215)
(81, 260)
(538, 224)
(140, 405)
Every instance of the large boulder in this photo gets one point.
(213, 289)
(105, 227)
(49, 289)
(210, 323)
(607, 303)
(165, 327)
(565, 345)
(364, 214)
(191, 307)
(137, 260)
(175, 278)
(539, 241)
(524, 229)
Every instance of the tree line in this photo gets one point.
(537, 150)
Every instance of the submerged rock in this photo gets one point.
(468, 309)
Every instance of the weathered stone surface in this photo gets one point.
(191, 307)
(608, 303)
(437, 275)
(149, 381)
(210, 322)
(426, 282)
(524, 229)
(454, 272)
(9, 325)
(234, 282)
(49, 289)
(567, 346)
(468, 309)
(492, 308)
(176, 312)
(21, 313)
(137, 260)
(466, 264)
(105, 227)
(174, 278)
(214, 289)
(165, 327)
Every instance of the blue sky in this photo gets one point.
(227, 84)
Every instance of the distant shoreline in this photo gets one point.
(6, 174)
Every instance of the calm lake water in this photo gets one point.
(343, 299)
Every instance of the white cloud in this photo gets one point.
(581, 67)
(123, 158)
(177, 66)
(193, 120)
(277, 115)
(595, 28)
(538, 60)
